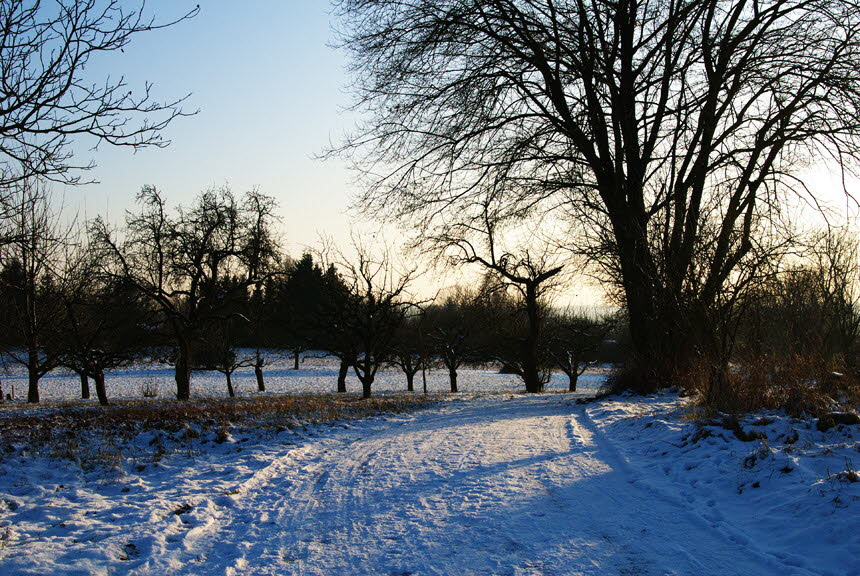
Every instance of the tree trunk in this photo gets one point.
(452, 375)
(101, 391)
(296, 354)
(531, 376)
(341, 376)
(85, 386)
(230, 392)
(33, 376)
(258, 373)
(573, 377)
(410, 381)
(648, 331)
(183, 371)
(365, 386)
(718, 393)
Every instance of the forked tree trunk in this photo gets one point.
(341, 376)
(410, 381)
(101, 391)
(366, 383)
(452, 376)
(85, 386)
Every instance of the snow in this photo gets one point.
(501, 484)
(317, 374)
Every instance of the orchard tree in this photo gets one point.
(529, 272)
(262, 253)
(409, 351)
(102, 324)
(35, 243)
(223, 356)
(670, 130)
(180, 263)
(451, 331)
(573, 341)
(333, 326)
(376, 310)
(504, 332)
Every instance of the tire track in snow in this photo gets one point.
(437, 490)
(525, 486)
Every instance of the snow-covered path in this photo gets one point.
(492, 485)
(518, 486)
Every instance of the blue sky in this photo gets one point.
(271, 93)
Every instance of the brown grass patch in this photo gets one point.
(798, 385)
(170, 415)
(63, 430)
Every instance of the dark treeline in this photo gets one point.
(207, 286)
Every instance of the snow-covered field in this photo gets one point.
(316, 374)
(477, 484)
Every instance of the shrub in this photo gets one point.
(796, 384)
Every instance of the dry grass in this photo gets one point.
(798, 385)
(74, 430)
(171, 415)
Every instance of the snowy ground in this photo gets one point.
(317, 374)
(480, 484)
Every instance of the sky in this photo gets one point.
(271, 94)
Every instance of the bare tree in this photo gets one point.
(47, 98)
(376, 309)
(408, 350)
(574, 340)
(651, 119)
(262, 250)
(451, 332)
(334, 332)
(223, 354)
(476, 238)
(36, 245)
(101, 321)
(180, 263)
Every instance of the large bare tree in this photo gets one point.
(674, 127)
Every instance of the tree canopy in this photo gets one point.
(672, 130)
